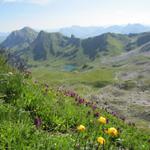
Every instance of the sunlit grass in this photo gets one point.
(36, 116)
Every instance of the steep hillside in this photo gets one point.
(53, 44)
(43, 46)
(109, 44)
(48, 45)
(19, 39)
(36, 116)
(138, 40)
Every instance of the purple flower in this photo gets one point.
(96, 114)
(114, 113)
(81, 101)
(94, 107)
(72, 94)
(37, 122)
(107, 121)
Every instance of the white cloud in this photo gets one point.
(39, 2)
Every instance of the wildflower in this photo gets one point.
(114, 113)
(81, 128)
(102, 120)
(107, 121)
(101, 140)
(81, 101)
(37, 122)
(94, 107)
(112, 131)
(72, 94)
(96, 114)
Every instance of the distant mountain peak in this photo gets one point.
(85, 32)
(26, 28)
(24, 36)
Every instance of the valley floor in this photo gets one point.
(120, 86)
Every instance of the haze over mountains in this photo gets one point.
(3, 36)
(84, 32)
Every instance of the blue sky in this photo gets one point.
(49, 14)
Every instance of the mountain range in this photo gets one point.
(90, 31)
(85, 32)
(42, 46)
(20, 39)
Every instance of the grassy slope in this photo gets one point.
(82, 82)
(22, 101)
(103, 81)
(115, 46)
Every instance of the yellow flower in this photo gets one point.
(102, 120)
(81, 128)
(113, 131)
(101, 140)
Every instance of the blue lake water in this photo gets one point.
(70, 67)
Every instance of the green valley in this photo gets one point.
(37, 115)
(65, 92)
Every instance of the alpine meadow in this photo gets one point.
(74, 75)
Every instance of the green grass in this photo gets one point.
(22, 101)
(115, 46)
(91, 79)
